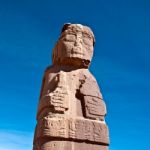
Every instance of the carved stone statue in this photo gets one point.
(71, 109)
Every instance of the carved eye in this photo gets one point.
(87, 41)
(69, 38)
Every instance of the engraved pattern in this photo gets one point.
(79, 129)
(94, 107)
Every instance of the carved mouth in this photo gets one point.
(77, 51)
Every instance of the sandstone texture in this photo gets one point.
(71, 110)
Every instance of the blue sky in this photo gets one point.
(121, 64)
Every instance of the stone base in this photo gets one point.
(67, 145)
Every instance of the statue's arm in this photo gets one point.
(94, 106)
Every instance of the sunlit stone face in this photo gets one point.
(75, 44)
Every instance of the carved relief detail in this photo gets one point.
(58, 99)
(94, 107)
(79, 129)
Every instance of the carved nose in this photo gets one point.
(78, 42)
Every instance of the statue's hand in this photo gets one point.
(59, 99)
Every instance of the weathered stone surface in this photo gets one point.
(71, 109)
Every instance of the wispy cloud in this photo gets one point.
(15, 140)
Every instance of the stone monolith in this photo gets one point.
(71, 108)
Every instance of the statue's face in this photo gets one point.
(78, 45)
(75, 43)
